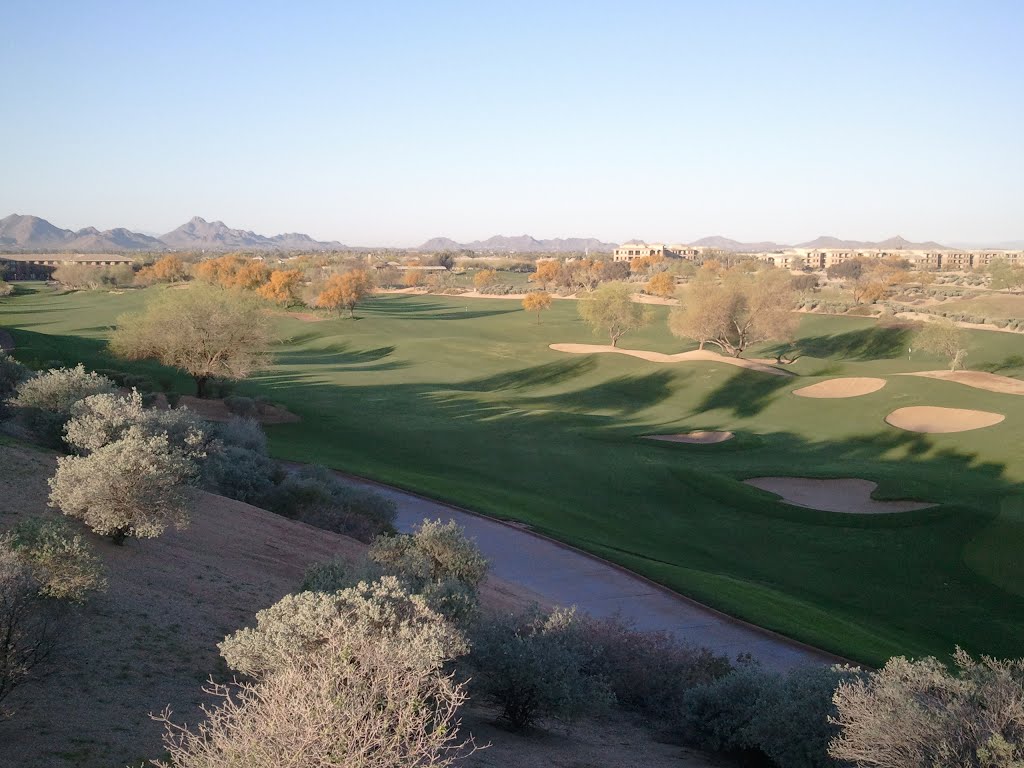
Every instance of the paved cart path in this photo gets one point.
(567, 576)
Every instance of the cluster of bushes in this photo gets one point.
(79, 276)
(6, 289)
(132, 466)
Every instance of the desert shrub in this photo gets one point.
(650, 672)
(537, 667)
(919, 714)
(784, 718)
(438, 561)
(718, 716)
(245, 407)
(62, 563)
(27, 631)
(6, 289)
(42, 568)
(434, 552)
(793, 727)
(350, 680)
(12, 374)
(239, 474)
(132, 487)
(99, 420)
(45, 399)
(316, 496)
(299, 627)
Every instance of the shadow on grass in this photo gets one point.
(866, 344)
(544, 375)
(744, 393)
(412, 308)
(1008, 363)
(342, 355)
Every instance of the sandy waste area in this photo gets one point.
(849, 495)
(934, 420)
(853, 386)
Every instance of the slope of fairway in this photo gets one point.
(462, 400)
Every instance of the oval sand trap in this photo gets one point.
(849, 494)
(933, 420)
(853, 386)
(700, 437)
(704, 355)
(977, 379)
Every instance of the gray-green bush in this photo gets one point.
(316, 496)
(784, 718)
(537, 667)
(45, 400)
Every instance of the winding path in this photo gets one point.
(567, 576)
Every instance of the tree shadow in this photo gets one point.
(342, 355)
(1008, 363)
(744, 393)
(431, 310)
(866, 344)
(547, 374)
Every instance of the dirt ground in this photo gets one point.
(853, 386)
(215, 410)
(934, 420)
(700, 437)
(849, 495)
(150, 640)
(992, 382)
(705, 355)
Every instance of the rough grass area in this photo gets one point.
(462, 400)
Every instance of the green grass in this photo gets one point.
(462, 400)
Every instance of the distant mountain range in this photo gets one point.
(520, 244)
(823, 241)
(33, 233)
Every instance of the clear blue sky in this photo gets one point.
(388, 122)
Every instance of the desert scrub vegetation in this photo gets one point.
(135, 486)
(783, 719)
(43, 402)
(354, 679)
(919, 714)
(314, 495)
(44, 569)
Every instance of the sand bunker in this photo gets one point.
(978, 379)
(849, 495)
(853, 386)
(700, 437)
(659, 357)
(933, 420)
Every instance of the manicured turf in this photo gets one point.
(462, 400)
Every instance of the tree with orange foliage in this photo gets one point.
(251, 275)
(484, 279)
(345, 291)
(280, 286)
(645, 263)
(537, 302)
(169, 269)
(547, 273)
(221, 270)
(661, 284)
(413, 278)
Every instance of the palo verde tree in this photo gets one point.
(737, 311)
(537, 301)
(943, 337)
(204, 331)
(345, 291)
(610, 309)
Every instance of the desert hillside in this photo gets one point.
(150, 640)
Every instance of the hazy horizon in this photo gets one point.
(394, 124)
